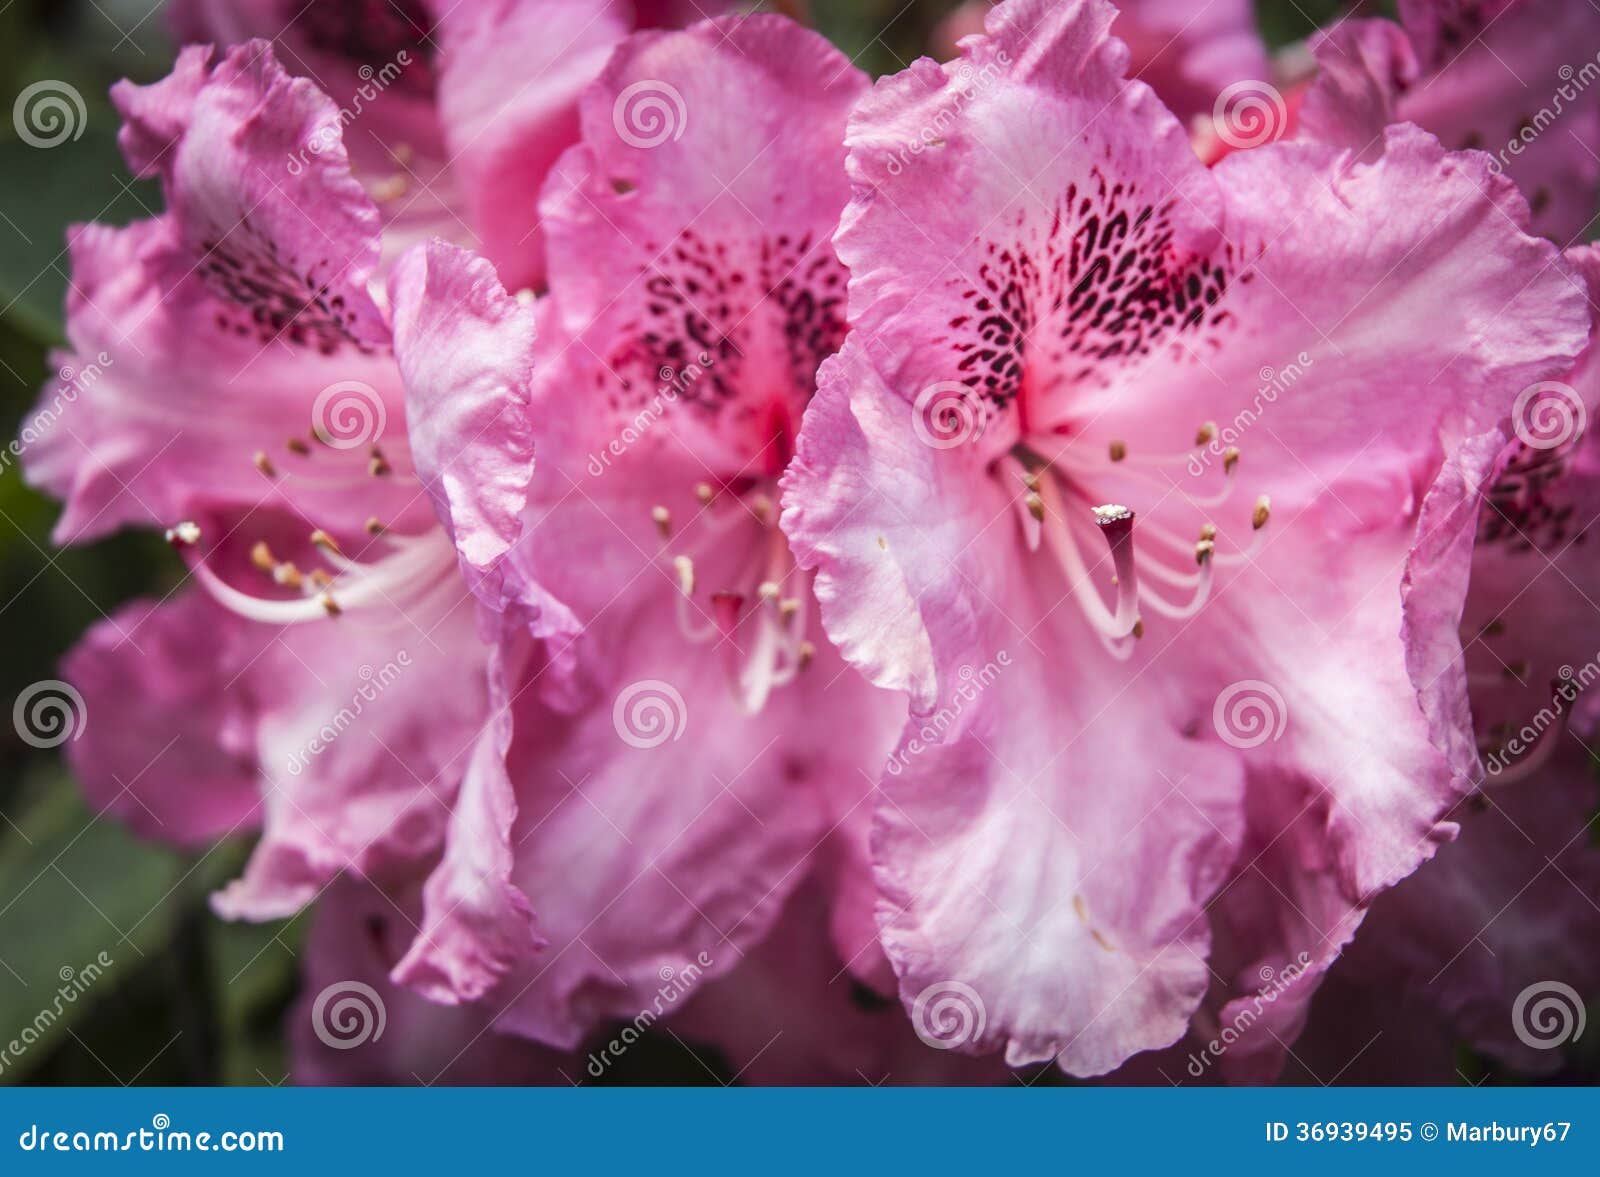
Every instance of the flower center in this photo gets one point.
(738, 587)
(1058, 490)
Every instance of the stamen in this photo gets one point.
(287, 575)
(704, 493)
(374, 526)
(261, 556)
(1263, 511)
(378, 465)
(1230, 459)
(1206, 434)
(326, 542)
(264, 464)
(663, 520)
(296, 446)
(685, 569)
(329, 605)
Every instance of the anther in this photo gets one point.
(378, 465)
(1208, 531)
(663, 520)
(184, 535)
(1119, 450)
(1035, 506)
(296, 445)
(1263, 511)
(1202, 551)
(1230, 459)
(788, 607)
(805, 653)
(320, 578)
(762, 506)
(704, 493)
(326, 542)
(1206, 434)
(261, 556)
(287, 575)
(264, 463)
(390, 188)
(767, 591)
(329, 605)
(374, 526)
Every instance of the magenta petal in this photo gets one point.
(169, 747)
(258, 182)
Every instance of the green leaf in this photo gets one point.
(47, 189)
(82, 908)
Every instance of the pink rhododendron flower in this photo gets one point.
(1199, 449)
(454, 109)
(1514, 78)
(715, 752)
(323, 680)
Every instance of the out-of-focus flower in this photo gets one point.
(1237, 400)
(1514, 78)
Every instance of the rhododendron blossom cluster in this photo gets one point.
(1063, 560)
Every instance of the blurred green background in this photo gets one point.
(187, 999)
